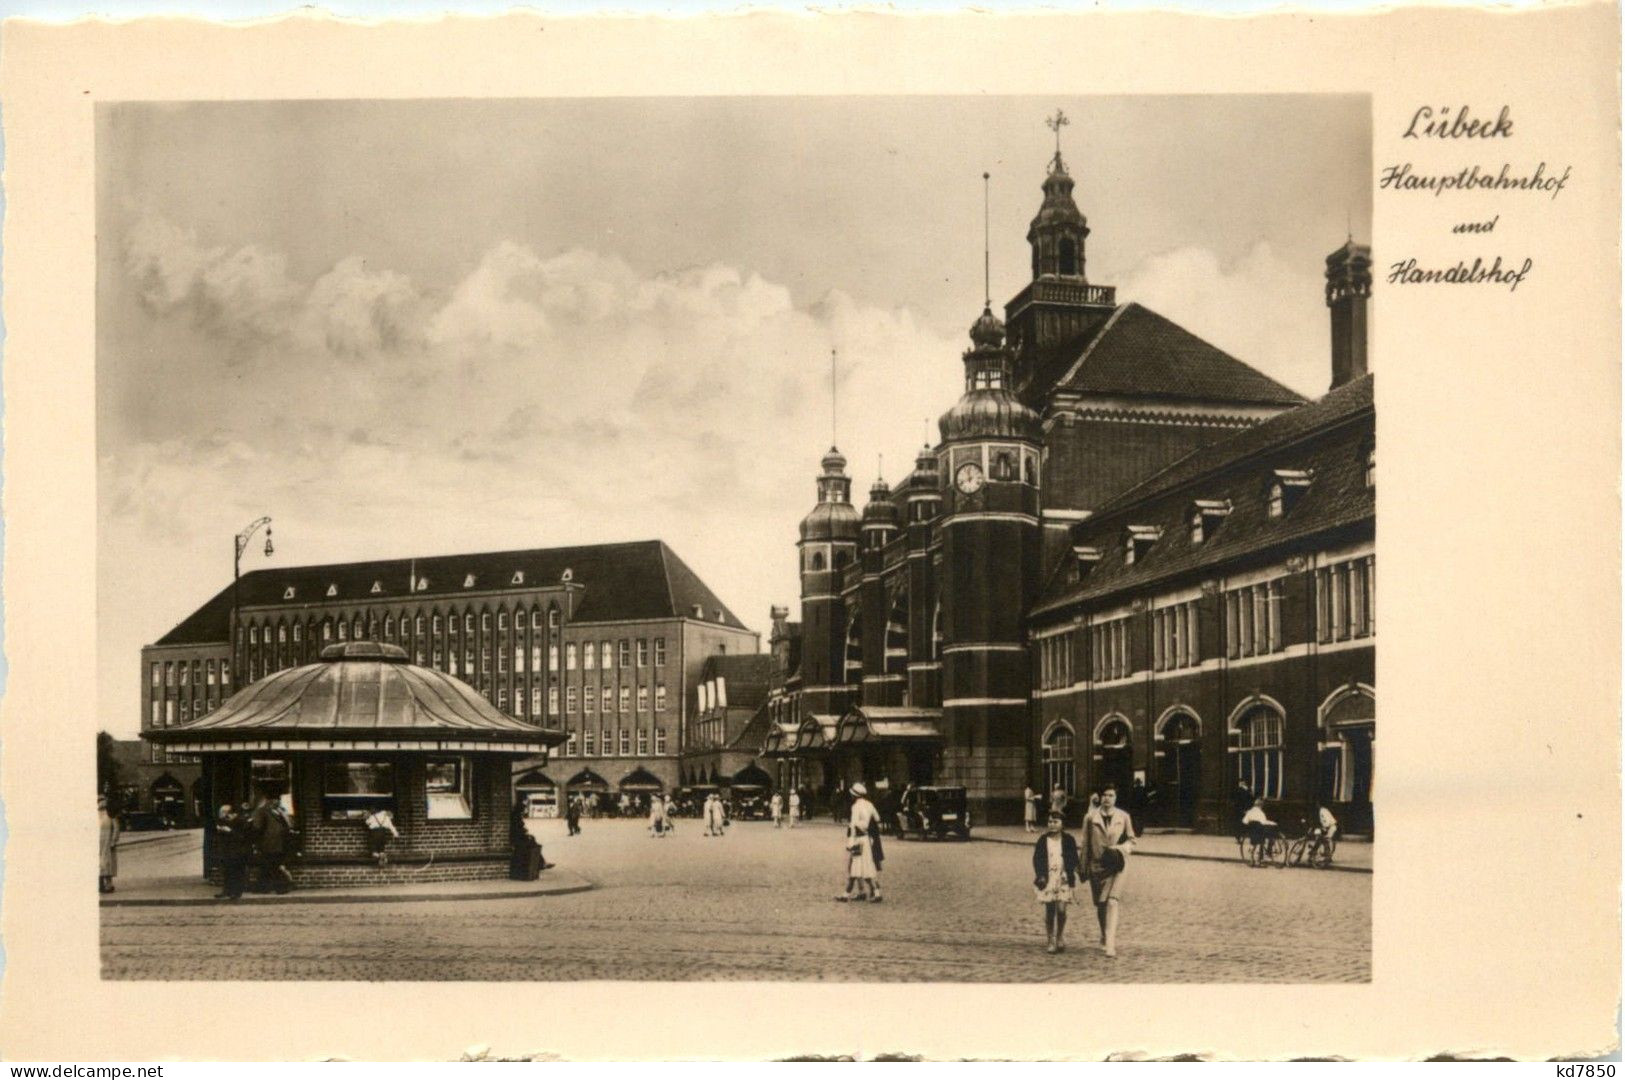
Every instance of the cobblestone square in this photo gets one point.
(758, 904)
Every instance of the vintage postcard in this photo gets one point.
(871, 512)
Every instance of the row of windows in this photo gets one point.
(171, 712)
(1055, 662)
(1258, 750)
(1346, 600)
(368, 627)
(1345, 604)
(586, 697)
(1252, 620)
(194, 673)
(1174, 641)
(588, 744)
(1111, 650)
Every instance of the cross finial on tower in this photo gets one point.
(1055, 124)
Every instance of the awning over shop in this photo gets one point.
(882, 723)
(641, 780)
(587, 780)
(360, 696)
(534, 781)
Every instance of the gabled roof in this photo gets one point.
(1138, 353)
(639, 580)
(748, 677)
(1325, 437)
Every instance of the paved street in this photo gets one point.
(758, 905)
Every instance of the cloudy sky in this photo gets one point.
(411, 327)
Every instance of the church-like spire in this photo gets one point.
(1058, 232)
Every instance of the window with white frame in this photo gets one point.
(643, 742)
(660, 697)
(626, 742)
(609, 700)
(552, 658)
(1345, 600)
(1055, 661)
(626, 699)
(352, 789)
(1259, 752)
(606, 655)
(570, 745)
(589, 742)
(449, 784)
(1252, 619)
(660, 740)
(625, 653)
(660, 652)
(1174, 637)
(643, 699)
(589, 657)
(1111, 649)
(643, 652)
(588, 701)
(552, 701)
(570, 656)
(502, 620)
(571, 697)
(502, 697)
(1060, 767)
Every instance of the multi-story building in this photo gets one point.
(605, 642)
(723, 740)
(915, 656)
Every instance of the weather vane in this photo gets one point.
(1055, 124)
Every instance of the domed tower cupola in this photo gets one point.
(989, 407)
(834, 519)
(880, 522)
(924, 487)
(1058, 232)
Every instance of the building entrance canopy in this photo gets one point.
(877, 724)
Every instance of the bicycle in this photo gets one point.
(1262, 846)
(1314, 849)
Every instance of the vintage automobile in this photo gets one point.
(933, 812)
(749, 803)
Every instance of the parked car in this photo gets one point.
(935, 812)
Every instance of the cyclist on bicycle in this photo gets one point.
(1258, 826)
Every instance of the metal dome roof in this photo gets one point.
(831, 521)
(988, 413)
(360, 694)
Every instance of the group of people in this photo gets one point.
(1059, 865)
(777, 806)
(662, 815)
(1254, 821)
(715, 815)
(262, 836)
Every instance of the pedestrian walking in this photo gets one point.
(232, 848)
(860, 862)
(657, 817)
(1029, 809)
(108, 829)
(381, 829)
(668, 814)
(775, 807)
(795, 806)
(1110, 838)
(1055, 875)
(272, 834)
(572, 816)
(878, 850)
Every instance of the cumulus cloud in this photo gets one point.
(1252, 307)
(539, 400)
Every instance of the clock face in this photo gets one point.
(969, 477)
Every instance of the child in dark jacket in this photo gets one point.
(1055, 874)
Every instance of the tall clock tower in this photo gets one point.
(828, 545)
(989, 461)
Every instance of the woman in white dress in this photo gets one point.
(860, 859)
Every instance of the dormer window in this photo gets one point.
(1206, 516)
(287, 594)
(468, 581)
(1087, 559)
(332, 590)
(1286, 487)
(1137, 540)
(518, 578)
(377, 587)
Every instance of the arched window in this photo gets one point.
(1259, 760)
(854, 649)
(1069, 256)
(1060, 770)
(842, 558)
(818, 560)
(1004, 465)
(1031, 469)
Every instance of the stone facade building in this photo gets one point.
(603, 642)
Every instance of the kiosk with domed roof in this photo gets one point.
(362, 729)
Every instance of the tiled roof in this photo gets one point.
(639, 580)
(748, 676)
(1138, 353)
(1326, 437)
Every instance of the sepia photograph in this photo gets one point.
(865, 539)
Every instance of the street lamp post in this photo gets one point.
(240, 545)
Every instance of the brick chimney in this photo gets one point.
(1348, 288)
